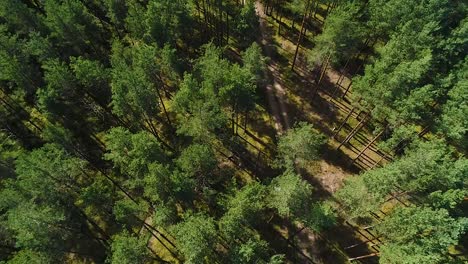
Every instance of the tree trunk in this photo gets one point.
(368, 145)
(344, 122)
(347, 89)
(300, 36)
(354, 131)
(365, 256)
(324, 68)
(164, 107)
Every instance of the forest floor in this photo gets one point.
(275, 91)
(294, 96)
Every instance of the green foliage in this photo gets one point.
(277, 259)
(297, 7)
(164, 20)
(132, 153)
(299, 145)
(289, 194)
(200, 111)
(15, 62)
(19, 17)
(357, 199)
(196, 236)
(48, 174)
(158, 183)
(319, 217)
(419, 235)
(246, 24)
(405, 67)
(254, 61)
(117, 11)
(426, 167)
(72, 26)
(57, 97)
(449, 199)
(10, 149)
(133, 92)
(75, 73)
(127, 211)
(197, 159)
(216, 88)
(453, 122)
(38, 227)
(252, 251)
(342, 35)
(165, 215)
(58, 134)
(243, 210)
(128, 249)
(387, 17)
(93, 76)
(30, 256)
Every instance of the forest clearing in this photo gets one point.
(234, 131)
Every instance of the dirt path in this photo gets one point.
(275, 92)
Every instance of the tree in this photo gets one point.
(252, 251)
(73, 28)
(41, 202)
(133, 153)
(425, 168)
(196, 238)
(128, 249)
(357, 199)
(20, 18)
(165, 20)
(401, 87)
(289, 194)
(133, 93)
(49, 168)
(277, 259)
(299, 146)
(30, 256)
(419, 235)
(158, 184)
(243, 210)
(129, 213)
(319, 216)
(254, 61)
(200, 111)
(246, 24)
(342, 35)
(16, 63)
(198, 161)
(388, 17)
(117, 12)
(94, 77)
(10, 149)
(297, 8)
(39, 227)
(59, 96)
(453, 122)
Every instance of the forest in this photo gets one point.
(234, 131)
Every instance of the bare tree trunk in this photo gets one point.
(164, 107)
(368, 145)
(344, 122)
(354, 131)
(300, 35)
(324, 68)
(347, 89)
(365, 256)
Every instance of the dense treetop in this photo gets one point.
(143, 131)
